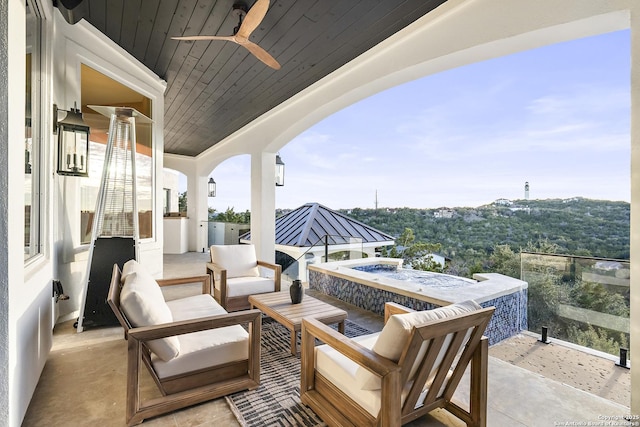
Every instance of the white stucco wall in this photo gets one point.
(27, 315)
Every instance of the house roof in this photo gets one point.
(215, 88)
(307, 225)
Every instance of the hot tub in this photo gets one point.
(356, 282)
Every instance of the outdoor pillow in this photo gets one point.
(129, 267)
(142, 301)
(396, 332)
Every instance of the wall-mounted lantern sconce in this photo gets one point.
(279, 171)
(73, 143)
(211, 187)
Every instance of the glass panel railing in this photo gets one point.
(579, 299)
(326, 248)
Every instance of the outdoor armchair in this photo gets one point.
(194, 350)
(411, 367)
(236, 273)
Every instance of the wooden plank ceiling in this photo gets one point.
(215, 87)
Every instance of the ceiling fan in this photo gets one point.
(248, 20)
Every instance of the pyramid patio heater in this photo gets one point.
(115, 231)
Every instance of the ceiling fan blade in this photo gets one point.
(254, 17)
(225, 38)
(261, 54)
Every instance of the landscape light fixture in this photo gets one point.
(73, 142)
(211, 187)
(279, 171)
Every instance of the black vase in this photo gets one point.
(296, 291)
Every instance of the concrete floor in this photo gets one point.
(84, 380)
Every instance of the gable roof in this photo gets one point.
(307, 225)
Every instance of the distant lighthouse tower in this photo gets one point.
(526, 190)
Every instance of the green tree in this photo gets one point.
(417, 255)
(598, 338)
(182, 202)
(544, 299)
(504, 261)
(420, 257)
(594, 296)
(230, 216)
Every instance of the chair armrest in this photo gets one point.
(148, 333)
(277, 269)
(213, 267)
(312, 328)
(272, 266)
(391, 308)
(388, 371)
(204, 280)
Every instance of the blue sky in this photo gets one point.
(557, 117)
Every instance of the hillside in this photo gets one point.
(598, 228)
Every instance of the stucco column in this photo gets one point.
(197, 212)
(635, 211)
(4, 213)
(263, 205)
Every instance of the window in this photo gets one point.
(32, 136)
(98, 89)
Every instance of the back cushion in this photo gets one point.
(396, 332)
(129, 267)
(238, 260)
(142, 301)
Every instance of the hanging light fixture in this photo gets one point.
(279, 171)
(211, 187)
(73, 143)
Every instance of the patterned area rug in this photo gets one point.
(277, 401)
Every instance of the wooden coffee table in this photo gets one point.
(278, 306)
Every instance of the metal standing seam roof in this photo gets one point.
(307, 225)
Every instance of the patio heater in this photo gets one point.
(115, 230)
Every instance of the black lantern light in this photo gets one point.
(279, 171)
(73, 143)
(212, 187)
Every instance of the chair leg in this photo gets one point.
(134, 359)
(478, 391)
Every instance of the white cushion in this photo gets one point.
(142, 301)
(341, 372)
(238, 260)
(194, 307)
(396, 332)
(248, 286)
(129, 267)
(200, 350)
(203, 349)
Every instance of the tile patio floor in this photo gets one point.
(83, 382)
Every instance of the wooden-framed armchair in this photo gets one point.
(194, 350)
(411, 367)
(236, 273)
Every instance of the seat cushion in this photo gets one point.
(194, 307)
(200, 350)
(239, 286)
(142, 302)
(341, 371)
(203, 349)
(238, 260)
(396, 332)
